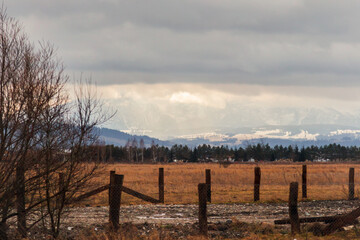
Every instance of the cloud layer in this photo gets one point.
(174, 67)
(174, 109)
(291, 42)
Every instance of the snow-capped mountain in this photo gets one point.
(302, 135)
(191, 121)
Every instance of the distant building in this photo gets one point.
(321, 160)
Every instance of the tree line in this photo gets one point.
(139, 153)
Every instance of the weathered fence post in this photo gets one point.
(161, 185)
(351, 183)
(293, 209)
(202, 188)
(112, 179)
(257, 184)
(208, 184)
(304, 181)
(115, 189)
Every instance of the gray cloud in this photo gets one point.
(291, 42)
(193, 15)
(178, 67)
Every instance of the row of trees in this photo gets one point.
(205, 153)
(44, 135)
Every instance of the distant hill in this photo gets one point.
(305, 135)
(118, 138)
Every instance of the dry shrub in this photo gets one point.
(256, 228)
(127, 231)
(314, 228)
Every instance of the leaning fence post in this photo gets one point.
(304, 181)
(202, 189)
(161, 185)
(351, 183)
(115, 200)
(257, 184)
(208, 184)
(293, 209)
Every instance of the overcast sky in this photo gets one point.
(176, 67)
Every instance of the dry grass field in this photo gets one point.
(229, 185)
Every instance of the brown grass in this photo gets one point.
(229, 185)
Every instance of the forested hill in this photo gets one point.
(118, 138)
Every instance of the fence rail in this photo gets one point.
(116, 187)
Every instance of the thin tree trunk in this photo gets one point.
(20, 199)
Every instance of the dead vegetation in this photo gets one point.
(229, 230)
(229, 185)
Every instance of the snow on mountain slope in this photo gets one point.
(300, 135)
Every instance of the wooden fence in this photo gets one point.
(304, 183)
(334, 222)
(204, 193)
(116, 187)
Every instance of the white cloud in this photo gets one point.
(185, 97)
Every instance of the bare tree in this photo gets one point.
(134, 145)
(62, 180)
(30, 82)
(153, 151)
(129, 149)
(44, 137)
(142, 147)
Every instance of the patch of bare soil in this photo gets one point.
(182, 219)
(173, 214)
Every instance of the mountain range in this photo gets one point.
(301, 135)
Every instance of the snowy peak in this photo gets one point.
(286, 135)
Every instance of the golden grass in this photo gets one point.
(229, 185)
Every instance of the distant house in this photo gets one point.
(229, 159)
(321, 160)
(178, 161)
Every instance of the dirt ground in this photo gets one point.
(229, 221)
(150, 217)
(172, 214)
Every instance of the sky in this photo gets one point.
(173, 68)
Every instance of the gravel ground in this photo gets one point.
(180, 221)
(173, 214)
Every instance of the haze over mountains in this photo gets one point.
(275, 126)
(301, 135)
(178, 119)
